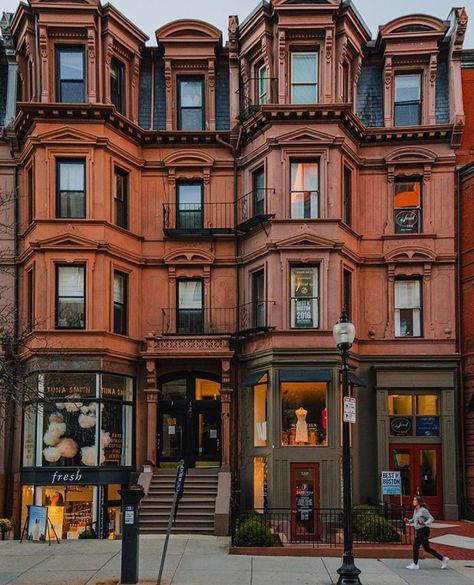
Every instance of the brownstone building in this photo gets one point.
(466, 250)
(193, 218)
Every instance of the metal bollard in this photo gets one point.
(131, 497)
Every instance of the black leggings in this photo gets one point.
(422, 539)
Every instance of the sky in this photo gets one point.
(150, 15)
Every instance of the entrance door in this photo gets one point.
(189, 414)
(420, 467)
(304, 502)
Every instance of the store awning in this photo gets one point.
(305, 375)
(355, 380)
(254, 378)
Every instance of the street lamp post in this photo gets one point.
(344, 334)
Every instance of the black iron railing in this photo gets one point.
(317, 527)
(213, 321)
(254, 316)
(253, 208)
(255, 93)
(197, 218)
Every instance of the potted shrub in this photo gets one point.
(5, 526)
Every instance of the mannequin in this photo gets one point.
(301, 425)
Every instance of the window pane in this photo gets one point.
(402, 463)
(191, 119)
(407, 194)
(407, 88)
(71, 64)
(428, 472)
(71, 281)
(190, 294)
(400, 404)
(304, 94)
(190, 93)
(29, 435)
(70, 433)
(119, 288)
(260, 483)
(260, 415)
(71, 204)
(407, 294)
(407, 114)
(304, 68)
(304, 176)
(173, 390)
(304, 413)
(117, 387)
(207, 389)
(190, 196)
(427, 404)
(115, 434)
(71, 313)
(72, 92)
(71, 176)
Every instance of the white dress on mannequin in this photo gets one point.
(301, 426)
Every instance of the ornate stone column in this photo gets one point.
(226, 396)
(151, 393)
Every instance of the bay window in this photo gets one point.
(262, 88)
(260, 394)
(120, 303)
(121, 198)
(407, 308)
(117, 78)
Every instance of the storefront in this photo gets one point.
(78, 450)
(416, 435)
(291, 440)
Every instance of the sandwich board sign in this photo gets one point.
(391, 483)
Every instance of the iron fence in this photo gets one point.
(319, 527)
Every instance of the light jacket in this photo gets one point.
(419, 513)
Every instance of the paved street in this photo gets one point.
(201, 560)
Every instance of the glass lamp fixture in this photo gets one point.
(343, 331)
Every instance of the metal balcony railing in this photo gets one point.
(252, 209)
(249, 318)
(198, 219)
(254, 317)
(255, 93)
(208, 321)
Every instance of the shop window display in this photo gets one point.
(260, 413)
(304, 414)
(260, 489)
(79, 420)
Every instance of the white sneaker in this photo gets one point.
(444, 563)
(412, 566)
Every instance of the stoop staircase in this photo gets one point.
(196, 508)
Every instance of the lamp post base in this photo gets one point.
(348, 572)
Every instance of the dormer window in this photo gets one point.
(117, 84)
(191, 103)
(407, 106)
(70, 75)
(304, 78)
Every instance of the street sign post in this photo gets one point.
(178, 493)
(349, 414)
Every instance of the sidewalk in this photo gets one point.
(202, 560)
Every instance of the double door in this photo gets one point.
(420, 468)
(189, 424)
